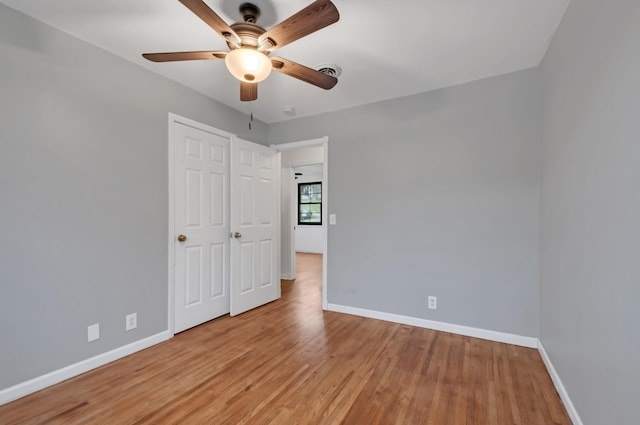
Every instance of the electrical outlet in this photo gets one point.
(93, 332)
(131, 321)
(433, 303)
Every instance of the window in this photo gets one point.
(310, 203)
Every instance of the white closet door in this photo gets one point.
(201, 223)
(255, 225)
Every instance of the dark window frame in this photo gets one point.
(306, 223)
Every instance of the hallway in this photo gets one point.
(307, 287)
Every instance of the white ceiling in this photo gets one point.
(386, 49)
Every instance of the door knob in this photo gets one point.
(182, 238)
(237, 235)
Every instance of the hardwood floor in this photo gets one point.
(290, 363)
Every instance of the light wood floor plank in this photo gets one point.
(291, 363)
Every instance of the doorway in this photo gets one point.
(307, 157)
(306, 288)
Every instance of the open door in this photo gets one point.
(255, 225)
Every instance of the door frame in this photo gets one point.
(290, 224)
(324, 142)
(173, 120)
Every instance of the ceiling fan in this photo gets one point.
(250, 45)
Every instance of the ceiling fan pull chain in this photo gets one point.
(250, 120)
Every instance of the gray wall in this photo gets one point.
(83, 195)
(590, 270)
(436, 194)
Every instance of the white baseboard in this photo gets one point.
(524, 341)
(36, 384)
(287, 276)
(562, 391)
(25, 388)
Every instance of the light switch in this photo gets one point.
(332, 219)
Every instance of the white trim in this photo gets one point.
(171, 264)
(278, 226)
(557, 382)
(325, 220)
(324, 142)
(291, 240)
(173, 118)
(299, 145)
(51, 378)
(524, 341)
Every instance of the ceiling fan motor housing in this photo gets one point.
(248, 33)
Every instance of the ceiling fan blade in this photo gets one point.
(248, 91)
(211, 18)
(317, 15)
(304, 73)
(183, 56)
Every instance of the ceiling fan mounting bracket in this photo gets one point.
(249, 12)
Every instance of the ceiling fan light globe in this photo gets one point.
(248, 65)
